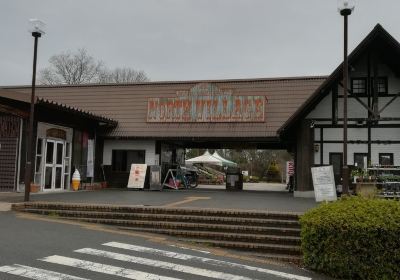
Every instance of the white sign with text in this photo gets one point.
(137, 176)
(324, 183)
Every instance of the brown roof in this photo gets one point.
(25, 97)
(127, 104)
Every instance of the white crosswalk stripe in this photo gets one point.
(36, 273)
(210, 261)
(106, 269)
(163, 265)
(218, 268)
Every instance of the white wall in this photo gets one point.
(148, 145)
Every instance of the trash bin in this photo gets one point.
(234, 179)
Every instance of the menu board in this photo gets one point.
(324, 183)
(137, 176)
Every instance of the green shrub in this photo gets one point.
(353, 238)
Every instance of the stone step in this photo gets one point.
(275, 249)
(200, 231)
(241, 237)
(285, 227)
(158, 210)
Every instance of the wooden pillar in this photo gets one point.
(304, 156)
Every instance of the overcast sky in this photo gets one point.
(190, 39)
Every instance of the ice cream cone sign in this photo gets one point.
(76, 180)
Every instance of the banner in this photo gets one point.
(90, 159)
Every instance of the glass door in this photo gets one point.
(54, 168)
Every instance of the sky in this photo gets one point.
(190, 39)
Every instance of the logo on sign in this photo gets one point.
(206, 103)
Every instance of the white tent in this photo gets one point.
(224, 160)
(205, 158)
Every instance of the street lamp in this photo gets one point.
(37, 30)
(345, 7)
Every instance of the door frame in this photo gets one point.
(53, 165)
(341, 165)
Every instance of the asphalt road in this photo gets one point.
(36, 247)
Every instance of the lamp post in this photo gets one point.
(37, 30)
(345, 7)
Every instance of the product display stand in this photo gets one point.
(170, 175)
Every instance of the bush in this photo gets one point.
(353, 238)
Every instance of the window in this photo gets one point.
(382, 85)
(385, 159)
(359, 86)
(359, 160)
(122, 159)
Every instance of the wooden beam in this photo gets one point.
(361, 102)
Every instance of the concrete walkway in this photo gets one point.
(200, 198)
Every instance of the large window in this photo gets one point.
(386, 159)
(359, 160)
(122, 159)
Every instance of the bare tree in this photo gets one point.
(71, 68)
(81, 68)
(122, 75)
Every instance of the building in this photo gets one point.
(154, 122)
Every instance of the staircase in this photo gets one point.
(269, 234)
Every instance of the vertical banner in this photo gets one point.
(137, 176)
(90, 159)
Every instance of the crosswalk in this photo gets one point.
(131, 258)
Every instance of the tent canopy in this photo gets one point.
(224, 160)
(214, 159)
(205, 158)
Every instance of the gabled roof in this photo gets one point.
(26, 98)
(378, 36)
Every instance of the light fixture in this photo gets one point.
(345, 7)
(37, 26)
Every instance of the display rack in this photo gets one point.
(387, 188)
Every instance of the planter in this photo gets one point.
(367, 189)
(35, 188)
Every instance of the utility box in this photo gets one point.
(234, 179)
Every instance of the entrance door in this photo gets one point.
(54, 168)
(336, 160)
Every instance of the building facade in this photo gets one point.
(154, 122)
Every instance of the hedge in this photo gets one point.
(353, 238)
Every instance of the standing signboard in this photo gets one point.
(137, 176)
(155, 178)
(324, 183)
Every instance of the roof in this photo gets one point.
(127, 104)
(26, 98)
(378, 36)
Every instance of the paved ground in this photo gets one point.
(37, 247)
(203, 197)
